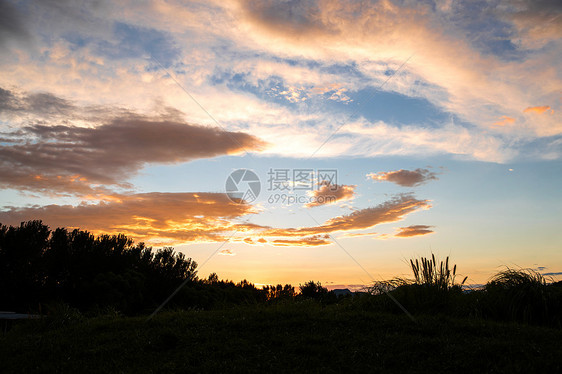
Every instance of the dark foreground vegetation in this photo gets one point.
(94, 295)
(283, 338)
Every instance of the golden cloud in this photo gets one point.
(414, 230)
(175, 218)
(539, 109)
(330, 193)
(153, 217)
(504, 120)
(227, 252)
(311, 241)
(390, 211)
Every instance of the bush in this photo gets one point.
(432, 290)
(522, 295)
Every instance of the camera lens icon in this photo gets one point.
(243, 186)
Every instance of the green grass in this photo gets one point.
(290, 337)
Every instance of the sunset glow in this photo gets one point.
(377, 131)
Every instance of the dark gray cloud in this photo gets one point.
(110, 153)
(405, 178)
(538, 21)
(7, 101)
(41, 103)
(71, 159)
(290, 17)
(546, 8)
(12, 24)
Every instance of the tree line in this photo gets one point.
(40, 270)
(39, 267)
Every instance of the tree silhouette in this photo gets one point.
(313, 290)
(38, 266)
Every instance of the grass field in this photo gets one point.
(294, 337)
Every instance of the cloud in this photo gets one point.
(262, 41)
(294, 94)
(539, 109)
(389, 211)
(450, 67)
(227, 252)
(311, 241)
(12, 25)
(43, 103)
(71, 159)
(153, 217)
(537, 22)
(252, 240)
(505, 120)
(405, 178)
(334, 91)
(414, 230)
(175, 218)
(329, 194)
(359, 234)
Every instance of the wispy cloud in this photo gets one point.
(505, 120)
(389, 211)
(414, 230)
(311, 241)
(539, 109)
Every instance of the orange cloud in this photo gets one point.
(504, 120)
(251, 240)
(405, 178)
(153, 217)
(330, 193)
(175, 218)
(414, 230)
(311, 241)
(360, 234)
(390, 211)
(539, 109)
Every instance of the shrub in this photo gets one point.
(434, 289)
(522, 295)
(426, 272)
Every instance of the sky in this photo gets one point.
(287, 141)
